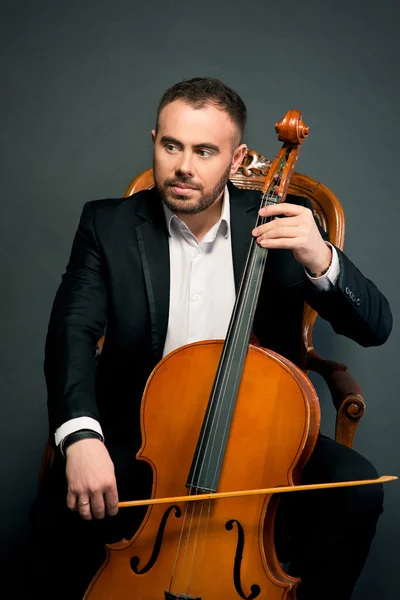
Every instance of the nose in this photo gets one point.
(184, 168)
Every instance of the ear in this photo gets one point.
(237, 158)
(153, 135)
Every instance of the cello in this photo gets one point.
(219, 418)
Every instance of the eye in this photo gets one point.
(171, 148)
(205, 153)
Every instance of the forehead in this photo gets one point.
(196, 125)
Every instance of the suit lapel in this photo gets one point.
(152, 237)
(243, 208)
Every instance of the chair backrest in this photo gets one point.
(251, 176)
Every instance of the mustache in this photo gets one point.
(185, 182)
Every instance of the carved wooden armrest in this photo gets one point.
(346, 395)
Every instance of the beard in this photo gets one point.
(186, 205)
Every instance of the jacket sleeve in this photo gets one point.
(354, 306)
(77, 321)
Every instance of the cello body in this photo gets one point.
(223, 548)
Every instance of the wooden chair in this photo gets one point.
(345, 391)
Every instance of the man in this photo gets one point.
(160, 270)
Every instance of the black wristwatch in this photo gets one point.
(76, 436)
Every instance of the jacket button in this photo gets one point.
(347, 290)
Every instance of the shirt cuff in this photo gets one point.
(75, 425)
(328, 280)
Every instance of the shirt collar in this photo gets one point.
(222, 224)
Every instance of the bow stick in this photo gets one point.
(275, 490)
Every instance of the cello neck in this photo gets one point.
(210, 450)
(207, 462)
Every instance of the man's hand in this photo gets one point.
(297, 232)
(92, 487)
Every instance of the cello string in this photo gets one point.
(201, 506)
(253, 300)
(253, 264)
(179, 543)
(272, 197)
(191, 493)
(188, 533)
(265, 196)
(205, 537)
(226, 374)
(189, 528)
(252, 267)
(187, 542)
(237, 317)
(195, 542)
(236, 311)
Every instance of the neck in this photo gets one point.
(200, 223)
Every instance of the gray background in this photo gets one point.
(80, 84)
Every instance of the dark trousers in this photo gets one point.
(325, 535)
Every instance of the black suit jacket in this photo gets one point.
(117, 282)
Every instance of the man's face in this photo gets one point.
(194, 155)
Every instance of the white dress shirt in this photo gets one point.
(202, 285)
(202, 290)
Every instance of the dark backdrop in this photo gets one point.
(80, 84)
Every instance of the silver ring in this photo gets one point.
(83, 503)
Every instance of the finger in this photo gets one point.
(276, 224)
(83, 506)
(97, 505)
(111, 501)
(280, 232)
(283, 208)
(72, 501)
(293, 243)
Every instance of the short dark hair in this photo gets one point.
(200, 91)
